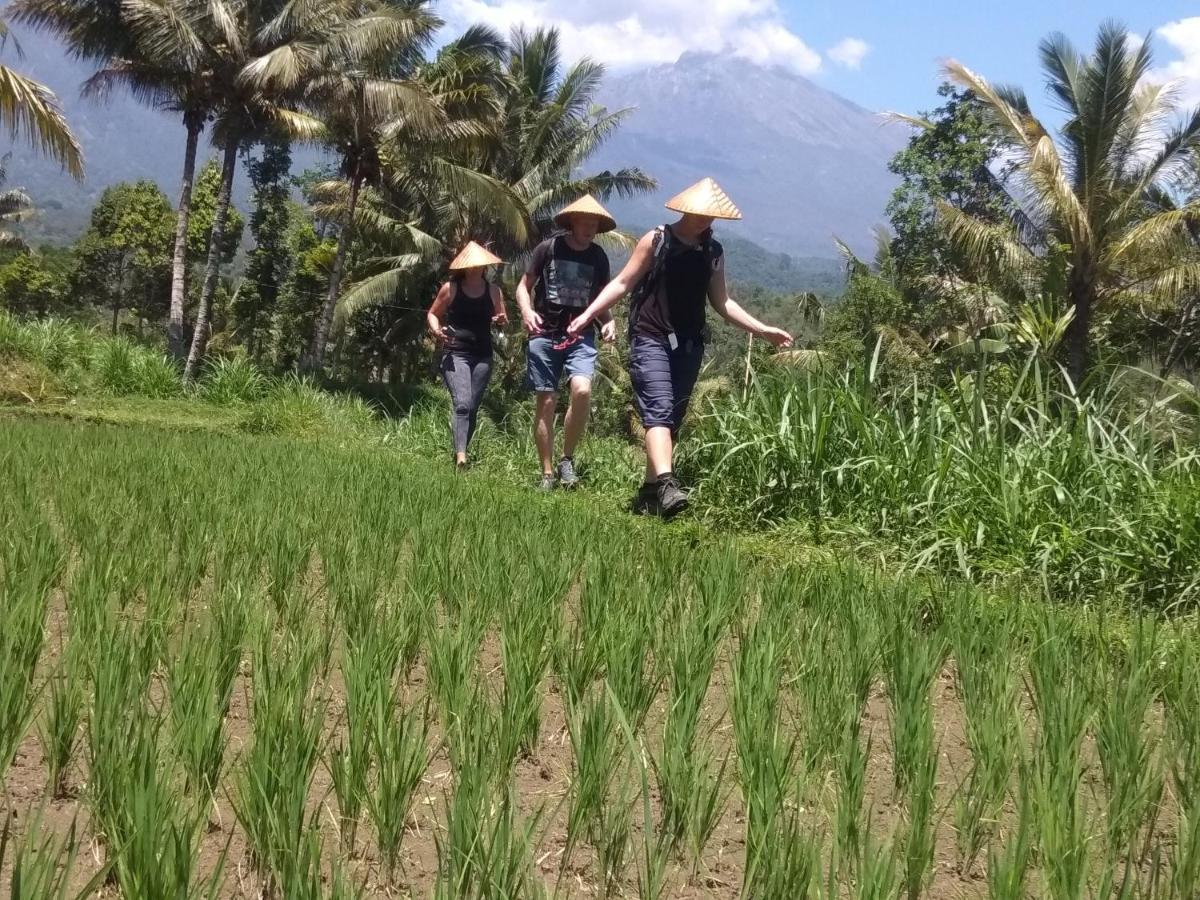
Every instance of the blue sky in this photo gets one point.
(997, 40)
(883, 55)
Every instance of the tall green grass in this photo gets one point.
(1082, 496)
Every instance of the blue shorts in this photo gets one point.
(663, 379)
(546, 365)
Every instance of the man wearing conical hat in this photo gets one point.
(565, 274)
(673, 274)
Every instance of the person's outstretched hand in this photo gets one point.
(500, 319)
(777, 336)
(608, 331)
(577, 326)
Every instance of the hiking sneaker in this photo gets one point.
(546, 485)
(672, 498)
(567, 476)
(645, 501)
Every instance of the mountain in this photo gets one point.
(802, 163)
(122, 141)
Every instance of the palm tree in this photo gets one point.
(30, 111)
(505, 181)
(1087, 194)
(1188, 313)
(364, 101)
(258, 55)
(168, 69)
(551, 126)
(150, 48)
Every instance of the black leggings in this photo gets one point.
(466, 379)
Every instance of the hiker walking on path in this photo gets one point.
(673, 272)
(565, 274)
(461, 320)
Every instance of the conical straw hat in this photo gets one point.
(586, 206)
(705, 198)
(474, 257)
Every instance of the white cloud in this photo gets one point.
(1183, 37)
(632, 33)
(849, 52)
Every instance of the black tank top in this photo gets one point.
(676, 299)
(470, 321)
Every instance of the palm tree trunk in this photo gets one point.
(1082, 294)
(194, 125)
(316, 353)
(213, 267)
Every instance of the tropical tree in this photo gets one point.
(269, 261)
(503, 183)
(123, 260)
(551, 126)
(14, 205)
(364, 98)
(35, 284)
(1087, 194)
(30, 111)
(1187, 313)
(151, 49)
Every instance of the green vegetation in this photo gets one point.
(275, 648)
(379, 691)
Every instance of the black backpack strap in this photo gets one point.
(662, 242)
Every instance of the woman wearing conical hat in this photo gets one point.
(460, 321)
(675, 271)
(566, 273)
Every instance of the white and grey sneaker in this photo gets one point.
(567, 475)
(546, 484)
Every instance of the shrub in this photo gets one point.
(124, 369)
(24, 381)
(232, 381)
(1080, 495)
(299, 409)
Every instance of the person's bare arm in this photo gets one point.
(729, 310)
(635, 270)
(437, 312)
(499, 313)
(533, 322)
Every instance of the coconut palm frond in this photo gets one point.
(297, 125)
(384, 32)
(1022, 129)
(918, 122)
(163, 31)
(990, 247)
(1161, 235)
(487, 195)
(378, 290)
(31, 112)
(1064, 67)
(282, 68)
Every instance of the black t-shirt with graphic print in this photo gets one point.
(567, 281)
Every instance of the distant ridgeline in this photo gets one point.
(750, 264)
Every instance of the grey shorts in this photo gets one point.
(545, 365)
(663, 379)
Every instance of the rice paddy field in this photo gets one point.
(255, 667)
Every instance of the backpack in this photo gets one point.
(649, 283)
